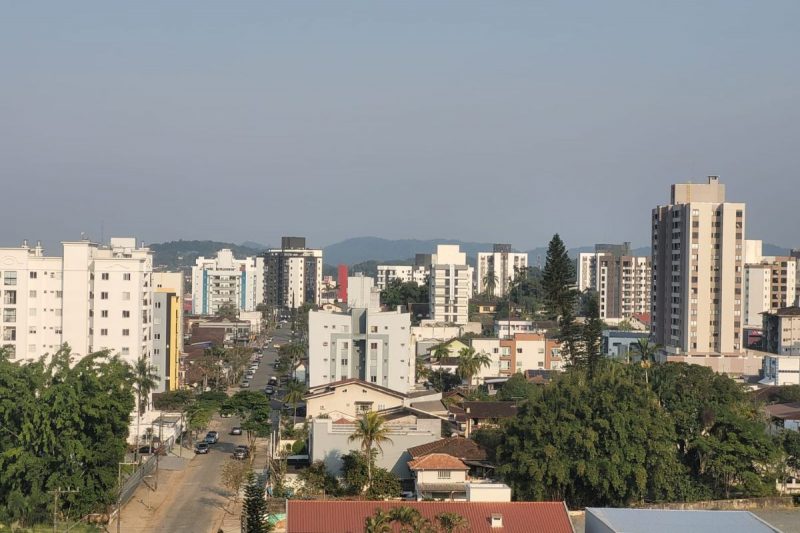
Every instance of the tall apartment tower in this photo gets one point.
(293, 274)
(450, 285)
(621, 280)
(225, 280)
(698, 264)
(93, 297)
(503, 264)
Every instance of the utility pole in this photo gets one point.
(56, 493)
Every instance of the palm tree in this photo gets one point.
(144, 381)
(441, 351)
(294, 394)
(422, 371)
(380, 522)
(293, 352)
(470, 363)
(371, 430)
(490, 282)
(647, 351)
(408, 518)
(452, 522)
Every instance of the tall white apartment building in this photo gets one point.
(417, 273)
(93, 297)
(363, 343)
(502, 263)
(770, 283)
(698, 268)
(621, 279)
(293, 274)
(221, 280)
(450, 285)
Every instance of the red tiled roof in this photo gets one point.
(437, 461)
(306, 516)
(464, 449)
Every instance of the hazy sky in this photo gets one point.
(485, 121)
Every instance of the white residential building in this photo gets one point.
(225, 280)
(781, 370)
(770, 283)
(501, 263)
(620, 279)
(293, 274)
(93, 297)
(450, 285)
(405, 273)
(363, 343)
(698, 269)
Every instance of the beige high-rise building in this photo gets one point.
(501, 263)
(450, 285)
(698, 264)
(621, 280)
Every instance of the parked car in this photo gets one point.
(245, 384)
(241, 452)
(201, 447)
(148, 450)
(273, 381)
(226, 414)
(236, 431)
(212, 437)
(269, 390)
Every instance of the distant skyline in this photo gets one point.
(486, 122)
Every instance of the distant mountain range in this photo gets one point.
(182, 254)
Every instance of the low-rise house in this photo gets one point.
(341, 516)
(353, 397)
(780, 370)
(784, 416)
(329, 439)
(470, 416)
(608, 520)
(439, 476)
(619, 344)
(468, 451)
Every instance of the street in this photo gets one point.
(193, 499)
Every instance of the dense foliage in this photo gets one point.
(62, 427)
(615, 440)
(399, 293)
(355, 477)
(254, 509)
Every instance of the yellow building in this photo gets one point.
(168, 328)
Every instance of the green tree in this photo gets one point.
(317, 480)
(408, 518)
(402, 294)
(439, 353)
(254, 510)
(647, 354)
(557, 279)
(452, 522)
(470, 363)
(295, 391)
(443, 381)
(592, 334)
(421, 369)
(371, 431)
(380, 522)
(228, 311)
(64, 423)
(516, 388)
(233, 475)
(145, 379)
(254, 409)
(292, 355)
(490, 282)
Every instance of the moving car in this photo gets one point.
(201, 447)
(236, 431)
(269, 390)
(212, 437)
(241, 452)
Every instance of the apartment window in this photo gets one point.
(325, 343)
(156, 351)
(104, 276)
(344, 362)
(104, 313)
(10, 297)
(126, 277)
(31, 294)
(125, 350)
(373, 329)
(443, 474)
(373, 345)
(103, 332)
(9, 333)
(373, 379)
(10, 279)
(104, 296)
(126, 332)
(32, 330)
(127, 296)
(157, 336)
(126, 314)
(33, 275)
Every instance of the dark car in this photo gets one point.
(212, 437)
(269, 390)
(148, 450)
(201, 447)
(241, 452)
(236, 431)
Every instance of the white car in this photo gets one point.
(245, 384)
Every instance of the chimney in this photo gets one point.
(497, 520)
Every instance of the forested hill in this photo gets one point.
(179, 255)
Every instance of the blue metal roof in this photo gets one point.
(668, 521)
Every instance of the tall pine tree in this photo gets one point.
(558, 278)
(592, 333)
(254, 510)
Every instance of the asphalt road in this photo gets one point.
(197, 502)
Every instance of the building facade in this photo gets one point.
(620, 279)
(698, 264)
(293, 274)
(781, 333)
(225, 280)
(363, 343)
(93, 297)
(450, 285)
(417, 273)
(769, 284)
(502, 264)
